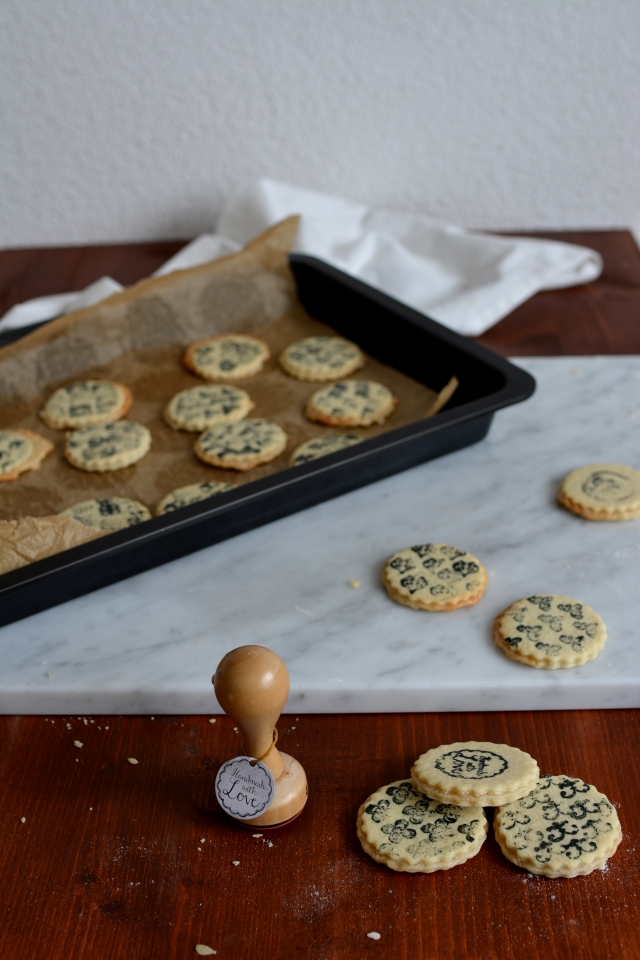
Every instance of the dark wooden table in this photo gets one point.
(123, 862)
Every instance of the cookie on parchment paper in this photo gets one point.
(562, 828)
(242, 445)
(111, 446)
(475, 772)
(107, 513)
(351, 403)
(229, 356)
(21, 450)
(550, 631)
(409, 832)
(321, 358)
(321, 447)
(87, 403)
(434, 576)
(199, 408)
(602, 491)
(192, 493)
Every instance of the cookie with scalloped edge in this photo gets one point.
(86, 404)
(21, 450)
(228, 356)
(434, 576)
(108, 513)
(321, 447)
(192, 493)
(475, 772)
(549, 631)
(321, 358)
(602, 491)
(241, 446)
(562, 828)
(199, 408)
(110, 446)
(409, 832)
(351, 403)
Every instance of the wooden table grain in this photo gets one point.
(103, 859)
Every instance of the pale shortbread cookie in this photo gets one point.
(241, 446)
(602, 491)
(108, 513)
(407, 831)
(549, 631)
(321, 446)
(434, 576)
(111, 446)
(198, 408)
(193, 493)
(351, 403)
(86, 404)
(562, 828)
(322, 358)
(21, 450)
(229, 356)
(475, 772)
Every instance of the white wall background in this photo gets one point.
(134, 119)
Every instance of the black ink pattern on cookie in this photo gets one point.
(241, 446)
(230, 356)
(193, 493)
(321, 447)
(111, 446)
(87, 403)
(199, 408)
(20, 451)
(475, 772)
(602, 491)
(108, 513)
(321, 358)
(434, 576)
(351, 403)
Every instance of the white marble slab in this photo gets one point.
(151, 643)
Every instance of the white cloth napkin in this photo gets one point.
(466, 280)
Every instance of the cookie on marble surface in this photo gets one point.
(242, 445)
(321, 446)
(550, 631)
(108, 513)
(87, 403)
(434, 576)
(562, 828)
(351, 403)
(111, 446)
(21, 450)
(229, 356)
(192, 493)
(602, 491)
(409, 832)
(199, 408)
(321, 358)
(475, 772)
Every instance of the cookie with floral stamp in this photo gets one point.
(409, 832)
(228, 356)
(20, 451)
(192, 493)
(321, 447)
(562, 828)
(199, 408)
(87, 403)
(321, 358)
(602, 491)
(549, 631)
(475, 772)
(434, 576)
(351, 403)
(110, 446)
(241, 446)
(108, 513)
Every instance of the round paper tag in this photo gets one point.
(245, 791)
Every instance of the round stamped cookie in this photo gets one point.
(321, 447)
(407, 831)
(198, 408)
(602, 491)
(549, 631)
(475, 772)
(241, 446)
(562, 828)
(21, 450)
(434, 576)
(351, 403)
(322, 358)
(230, 356)
(86, 404)
(108, 513)
(192, 493)
(112, 446)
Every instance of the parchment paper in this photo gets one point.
(138, 337)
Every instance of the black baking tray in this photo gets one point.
(386, 329)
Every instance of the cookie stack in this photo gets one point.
(557, 826)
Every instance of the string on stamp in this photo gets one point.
(264, 756)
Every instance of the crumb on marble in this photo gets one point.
(354, 583)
